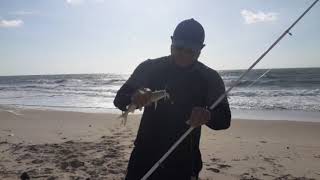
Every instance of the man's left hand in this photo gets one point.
(199, 116)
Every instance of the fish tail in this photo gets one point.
(123, 117)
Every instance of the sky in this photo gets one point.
(104, 36)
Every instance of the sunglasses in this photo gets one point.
(186, 50)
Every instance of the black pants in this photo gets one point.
(141, 160)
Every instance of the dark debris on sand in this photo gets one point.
(24, 176)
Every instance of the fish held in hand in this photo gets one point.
(154, 98)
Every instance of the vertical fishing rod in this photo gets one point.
(287, 31)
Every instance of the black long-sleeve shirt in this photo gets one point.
(193, 86)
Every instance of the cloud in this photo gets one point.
(22, 13)
(78, 2)
(10, 23)
(251, 17)
(74, 2)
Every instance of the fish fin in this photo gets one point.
(155, 105)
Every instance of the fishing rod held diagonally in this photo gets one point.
(215, 104)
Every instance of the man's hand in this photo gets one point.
(199, 116)
(141, 97)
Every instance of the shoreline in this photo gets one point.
(278, 115)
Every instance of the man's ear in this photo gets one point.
(171, 49)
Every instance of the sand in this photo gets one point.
(47, 144)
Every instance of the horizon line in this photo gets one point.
(58, 74)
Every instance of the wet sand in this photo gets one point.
(71, 145)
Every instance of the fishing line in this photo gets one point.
(259, 78)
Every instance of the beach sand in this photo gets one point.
(49, 144)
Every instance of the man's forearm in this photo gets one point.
(123, 97)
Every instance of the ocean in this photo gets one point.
(296, 89)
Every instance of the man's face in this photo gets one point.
(184, 56)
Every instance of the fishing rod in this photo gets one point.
(259, 78)
(287, 31)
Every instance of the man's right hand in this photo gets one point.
(141, 97)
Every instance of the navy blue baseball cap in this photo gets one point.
(189, 34)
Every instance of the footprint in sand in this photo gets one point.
(246, 158)
(268, 175)
(235, 159)
(76, 163)
(224, 166)
(37, 161)
(248, 176)
(219, 166)
(245, 176)
(262, 168)
(215, 160)
(213, 170)
(4, 142)
(98, 162)
(118, 134)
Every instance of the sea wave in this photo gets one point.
(282, 89)
(276, 93)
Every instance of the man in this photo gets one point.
(193, 87)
